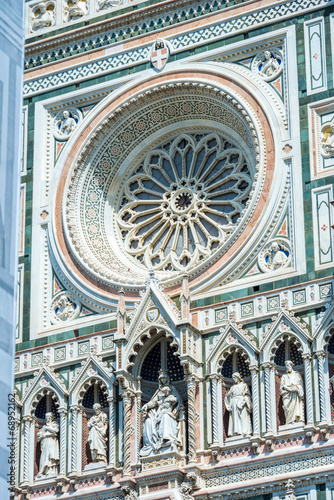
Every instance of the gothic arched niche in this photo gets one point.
(288, 349)
(47, 405)
(164, 400)
(96, 393)
(235, 362)
(161, 356)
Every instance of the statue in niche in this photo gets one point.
(270, 64)
(161, 419)
(44, 19)
(292, 392)
(328, 142)
(65, 308)
(277, 258)
(97, 437)
(77, 9)
(108, 4)
(67, 124)
(48, 437)
(238, 403)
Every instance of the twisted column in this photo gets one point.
(127, 398)
(255, 397)
(214, 405)
(63, 414)
(191, 389)
(26, 434)
(138, 425)
(308, 388)
(74, 438)
(321, 356)
(267, 369)
(17, 446)
(112, 428)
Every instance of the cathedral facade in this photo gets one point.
(175, 335)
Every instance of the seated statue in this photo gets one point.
(48, 437)
(238, 403)
(161, 419)
(97, 437)
(44, 19)
(292, 392)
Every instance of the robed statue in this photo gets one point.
(161, 430)
(48, 437)
(292, 392)
(97, 436)
(238, 403)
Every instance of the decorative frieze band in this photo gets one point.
(178, 43)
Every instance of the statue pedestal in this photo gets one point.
(174, 459)
(292, 428)
(238, 439)
(95, 465)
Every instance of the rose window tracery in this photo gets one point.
(183, 200)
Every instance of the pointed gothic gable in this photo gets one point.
(45, 379)
(154, 310)
(283, 324)
(233, 336)
(322, 334)
(92, 368)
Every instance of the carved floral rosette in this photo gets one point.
(266, 260)
(258, 64)
(64, 307)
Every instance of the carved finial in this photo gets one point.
(151, 278)
(185, 297)
(121, 313)
(290, 490)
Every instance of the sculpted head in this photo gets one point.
(66, 114)
(48, 418)
(275, 247)
(163, 378)
(97, 408)
(267, 55)
(289, 366)
(236, 377)
(42, 8)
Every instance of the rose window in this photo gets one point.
(183, 200)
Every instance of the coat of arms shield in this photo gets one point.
(159, 54)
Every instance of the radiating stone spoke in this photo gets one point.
(183, 200)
